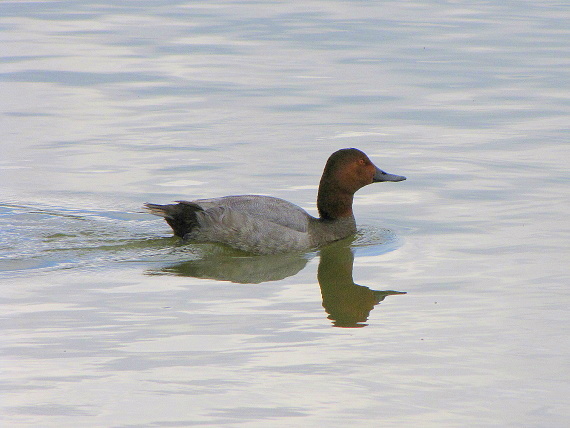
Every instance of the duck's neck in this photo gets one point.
(333, 202)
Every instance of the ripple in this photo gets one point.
(373, 241)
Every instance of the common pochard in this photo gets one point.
(268, 225)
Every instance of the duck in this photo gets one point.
(260, 224)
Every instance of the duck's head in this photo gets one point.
(346, 171)
(352, 169)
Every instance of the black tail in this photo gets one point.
(181, 216)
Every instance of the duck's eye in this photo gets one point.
(362, 161)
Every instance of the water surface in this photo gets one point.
(109, 321)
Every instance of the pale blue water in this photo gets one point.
(108, 321)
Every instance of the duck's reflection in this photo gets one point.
(348, 304)
(240, 269)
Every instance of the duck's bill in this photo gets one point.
(384, 176)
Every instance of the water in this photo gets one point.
(109, 321)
